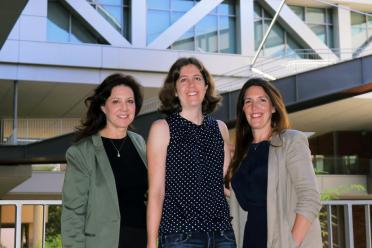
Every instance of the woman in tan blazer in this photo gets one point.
(105, 185)
(271, 174)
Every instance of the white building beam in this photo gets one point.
(182, 25)
(296, 25)
(342, 31)
(97, 22)
(246, 27)
(139, 15)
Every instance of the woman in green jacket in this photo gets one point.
(105, 187)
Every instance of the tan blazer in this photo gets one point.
(291, 189)
(90, 213)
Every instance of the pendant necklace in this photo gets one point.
(118, 150)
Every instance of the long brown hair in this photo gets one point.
(243, 134)
(167, 95)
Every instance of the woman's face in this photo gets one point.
(190, 87)
(120, 107)
(258, 108)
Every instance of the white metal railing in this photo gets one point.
(19, 204)
(331, 216)
(348, 218)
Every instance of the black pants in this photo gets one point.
(132, 237)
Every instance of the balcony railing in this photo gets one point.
(345, 223)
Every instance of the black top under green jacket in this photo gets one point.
(91, 215)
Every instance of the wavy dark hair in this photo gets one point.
(95, 119)
(167, 95)
(243, 134)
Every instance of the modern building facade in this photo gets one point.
(54, 52)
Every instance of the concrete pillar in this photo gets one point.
(245, 27)
(38, 226)
(342, 32)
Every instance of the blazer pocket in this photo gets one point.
(89, 234)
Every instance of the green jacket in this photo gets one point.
(90, 214)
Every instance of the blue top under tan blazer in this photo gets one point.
(292, 189)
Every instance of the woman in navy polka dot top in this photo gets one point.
(188, 156)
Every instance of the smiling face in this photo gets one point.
(258, 109)
(119, 108)
(190, 87)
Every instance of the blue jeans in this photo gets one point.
(220, 239)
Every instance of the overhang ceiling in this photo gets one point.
(48, 100)
(353, 113)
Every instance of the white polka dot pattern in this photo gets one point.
(194, 191)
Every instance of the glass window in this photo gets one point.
(206, 34)
(182, 5)
(275, 41)
(320, 31)
(358, 29)
(227, 35)
(78, 34)
(158, 4)
(293, 48)
(257, 11)
(258, 33)
(186, 42)
(330, 40)
(112, 2)
(154, 28)
(58, 23)
(113, 15)
(299, 11)
(63, 26)
(216, 32)
(315, 15)
(320, 21)
(116, 12)
(279, 42)
(226, 8)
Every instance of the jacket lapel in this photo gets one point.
(140, 146)
(104, 163)
(272, 186)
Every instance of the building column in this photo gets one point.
(342, 33)
(15, 113)
(245, 27)
(139, 23)
(38, 226)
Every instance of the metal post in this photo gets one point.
(267, 33)
(15, 112)
(18, 238)
(367, 216)
(44, 224)
(349, 233)
(329, 223)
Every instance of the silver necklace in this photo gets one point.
(118, 150)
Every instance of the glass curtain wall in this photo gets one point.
(361, 29)
(216, 32)
(64, 26)
(279, 42)
(116, 12)
(319, 20)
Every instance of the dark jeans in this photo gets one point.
(220, 239)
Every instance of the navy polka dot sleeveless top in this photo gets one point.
(194, 191)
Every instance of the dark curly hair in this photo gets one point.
(95, 119)
(167, 95)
